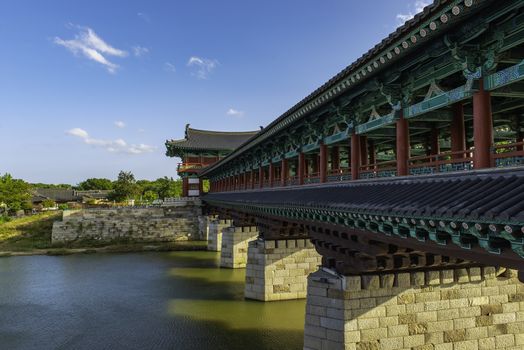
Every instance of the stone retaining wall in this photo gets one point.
(169, 223)
(461, 309)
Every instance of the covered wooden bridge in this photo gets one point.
(405, 171)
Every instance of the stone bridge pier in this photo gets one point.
(279, 261)
(235, 240)
(216, 225)
(451, 309)
(278, 269)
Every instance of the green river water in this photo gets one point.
(177, 300)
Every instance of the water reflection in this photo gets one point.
(178, 300)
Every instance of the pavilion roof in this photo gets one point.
(201, 140)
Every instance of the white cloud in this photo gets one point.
(78, 133)
(203, 66)
(140, 51)
(169, 67)
(91, 46)
(413, 9)
(144, 16)
(235, 113)
(120, 124)
(114, 146)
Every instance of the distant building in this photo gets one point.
(67, 196)
(202, 148)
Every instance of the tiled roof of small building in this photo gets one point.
(56, 194)
(196, 139)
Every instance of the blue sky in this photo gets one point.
(88, 88)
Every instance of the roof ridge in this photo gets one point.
(223, 132)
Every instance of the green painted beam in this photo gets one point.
(442, 100)
(504, 77)
(377, 123)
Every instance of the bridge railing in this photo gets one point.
(340, 174)
(508, 154)
(502, 155)
(442, 162)
(292, 181)
(379, 169)
(312, 178)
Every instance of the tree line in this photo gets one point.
(15, 194)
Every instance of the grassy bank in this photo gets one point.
(32, 235)
(28, 233)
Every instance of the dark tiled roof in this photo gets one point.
(56, 194)
(491, 196)
(95, 194)
(210, 140)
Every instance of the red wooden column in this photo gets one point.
(482, 127)
(520, 138)
(271, 174)
(402, 146)
(434, 142)
(261, 176)
(458, 132)
(323, 160)
(364, 159)
(245, 181)
(519, 135)
(355, 156)
(185, 187)
(335, 158)
(301, 168)
(284, 172)
(252, 177)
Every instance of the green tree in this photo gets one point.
(166, 187)
(95, 184)
(149, 196)
(13, 192)
(124, 187)
(205, 185)
(42, 185)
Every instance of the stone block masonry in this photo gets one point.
(461, 309)
(214, 241)
(278, 270)
(234, 245)
(170, 223)
(203, 226)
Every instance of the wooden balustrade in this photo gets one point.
(502, 155)
(442, 162)
(312, 178)
(339, 174)
(509, 154)
(379, 169)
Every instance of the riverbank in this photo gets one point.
(31, 235)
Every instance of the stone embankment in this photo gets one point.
(174, 222)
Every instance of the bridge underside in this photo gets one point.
(400, 224)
